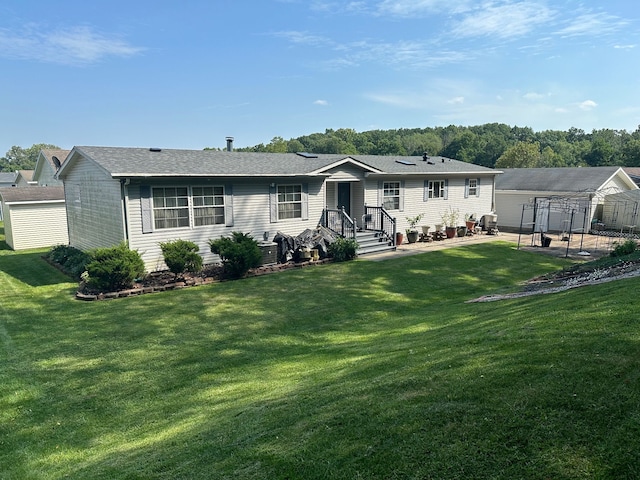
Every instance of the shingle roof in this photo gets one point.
(8, 177)
(132, 162)
(586, 179)
(31, 194)
(60, 154)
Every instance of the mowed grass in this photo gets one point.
(371, 370)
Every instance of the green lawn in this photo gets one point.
(361, 370)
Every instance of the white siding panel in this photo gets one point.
(250, 213)
(37, 225)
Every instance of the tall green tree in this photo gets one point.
(18, 158)
(521, 155)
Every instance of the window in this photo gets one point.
(472, 187)
(436, 189)
(289, 201)
(208, 205)
(391, 195)
(171, 207)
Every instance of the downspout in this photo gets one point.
(124, 193)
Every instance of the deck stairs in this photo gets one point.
(372, 242)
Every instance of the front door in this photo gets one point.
(344, 196)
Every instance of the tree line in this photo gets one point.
(494, 145)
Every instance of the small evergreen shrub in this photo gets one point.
(181, 256)
(625, 248)
(114, 268)
(343, 249)
(70, 259)
(238, 253)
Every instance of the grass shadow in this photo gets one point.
(31, 269)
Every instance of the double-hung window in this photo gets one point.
(170, 207)
(391, 195)
(208, 205)
(436, 189)
(178, 207)
(472, 187)
(289, 201)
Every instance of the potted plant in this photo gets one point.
(412, 231)
(470, 221)
(450, 220)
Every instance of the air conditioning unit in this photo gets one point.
(269, 252)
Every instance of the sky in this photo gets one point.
(187, 74)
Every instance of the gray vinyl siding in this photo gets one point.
(36, 225)
(251, 214)
(414, 202)
(94, 207)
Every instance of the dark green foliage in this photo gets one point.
(343, 249)
(181, 256)
(238, 253)
(114, 268)
(478, 144)
(70, 259)
(625, 248)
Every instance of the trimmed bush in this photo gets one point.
(625, 248)
(114, 268)
(343, 249)
(181, 256)
(70, 259)
(238, 253)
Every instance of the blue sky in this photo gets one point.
(187, 74)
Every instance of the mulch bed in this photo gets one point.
(165, 280)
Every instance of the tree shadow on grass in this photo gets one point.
(31, 269)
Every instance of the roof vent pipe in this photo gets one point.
(229, 144)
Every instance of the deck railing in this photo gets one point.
(338, 221)
(379, 220)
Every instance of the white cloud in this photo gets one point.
(592, 24)
(322, 103)
(411, 8)
(504, 21)
(71, 46)
(587, 105)
(534, 96)
(456, 101)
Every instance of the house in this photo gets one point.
(48, 163)
(556, 199)
(8, 179)
(34, 217)
(24, 178)
(147, 196)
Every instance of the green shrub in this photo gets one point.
(343, 249)
(238, 253)
(625, 248)
(70, 259)
(181, 256)
(114, 268)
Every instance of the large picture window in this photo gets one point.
(171, 207)
(391, 195)
(289, 201)
(179, 207)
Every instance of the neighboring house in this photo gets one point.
(8, 179)
(34, 217)
(48, 163)
(148, 196)
(24, 178)
(556, 199)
